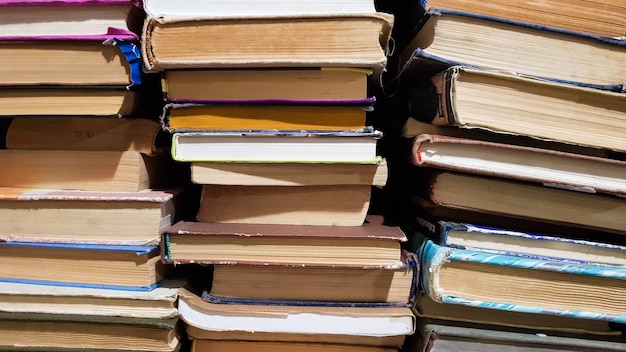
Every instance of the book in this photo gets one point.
(45, 18)
(246, 9)
(292, 284)
(523, 105)
(269, 85)
(77, 101)
(426, 308)
(205, 345)
(328, 205)
(289, 174)
(276, 146)
(517, 47)
(531, 202)
(228, 117)
(81, 265)
(84, 133)
(160, 302)
(50, 332)
(104, 171)
(112, 59)
(493, 281)
(371, 244)
(337, 41)
(133, 218)
(511, 161)
(592, 17)
(516, 243)
(438, 335)
(385, 326)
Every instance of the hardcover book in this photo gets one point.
(270, 85)
(206, 345)
(314, 41)
(44, 215)
(80, 265)
(520, 105)
(493, 281)
(275, 146)
(518, 47)
(68, 18)
(386, 326)
(328, 205)
(371, 244)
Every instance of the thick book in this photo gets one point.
(314, 41)
(518, 47)
(160, 302)
(111, 59)
(192, 9)
(74, 333)
(84, 133)
(290, 174)
(520, 105)
(426, 308)
(104, 171)
(101, 101)
(528, 201)
(137, 218)
(601, 18)
(206, 345)
(371, 244)
(269, 85)
(512, 161)
(538, 286)
(516, 243)
(45, 18)
(276, 146)
(326, 285)
(327, 205)
(228, 117)
(443, 336)
(386, 326)
(82, 265)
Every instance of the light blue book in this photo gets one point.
(523, 284)
(116, 267)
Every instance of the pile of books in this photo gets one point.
(507, 174)
(86, 187)
(268, 103)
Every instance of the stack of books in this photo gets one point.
(86, 186)
(507, 172)
(268, 102)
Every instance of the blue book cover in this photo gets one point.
(529, 285)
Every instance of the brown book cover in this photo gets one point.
(372, 244)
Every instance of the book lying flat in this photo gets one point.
(80, 265)
(567, 170)
(270, 85)
(112, 59)
(326, 285)
(160, 302)
(290, 174)
(133, 218)
(374, 325)
(495, 281)
(327, 205)
(271, 146)
(231, 117)
(439, 336)
(206, 345)
(371, 244)
(517, 47)
(45, 18)
(65, 332)
(522, 105)
(314, 41)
